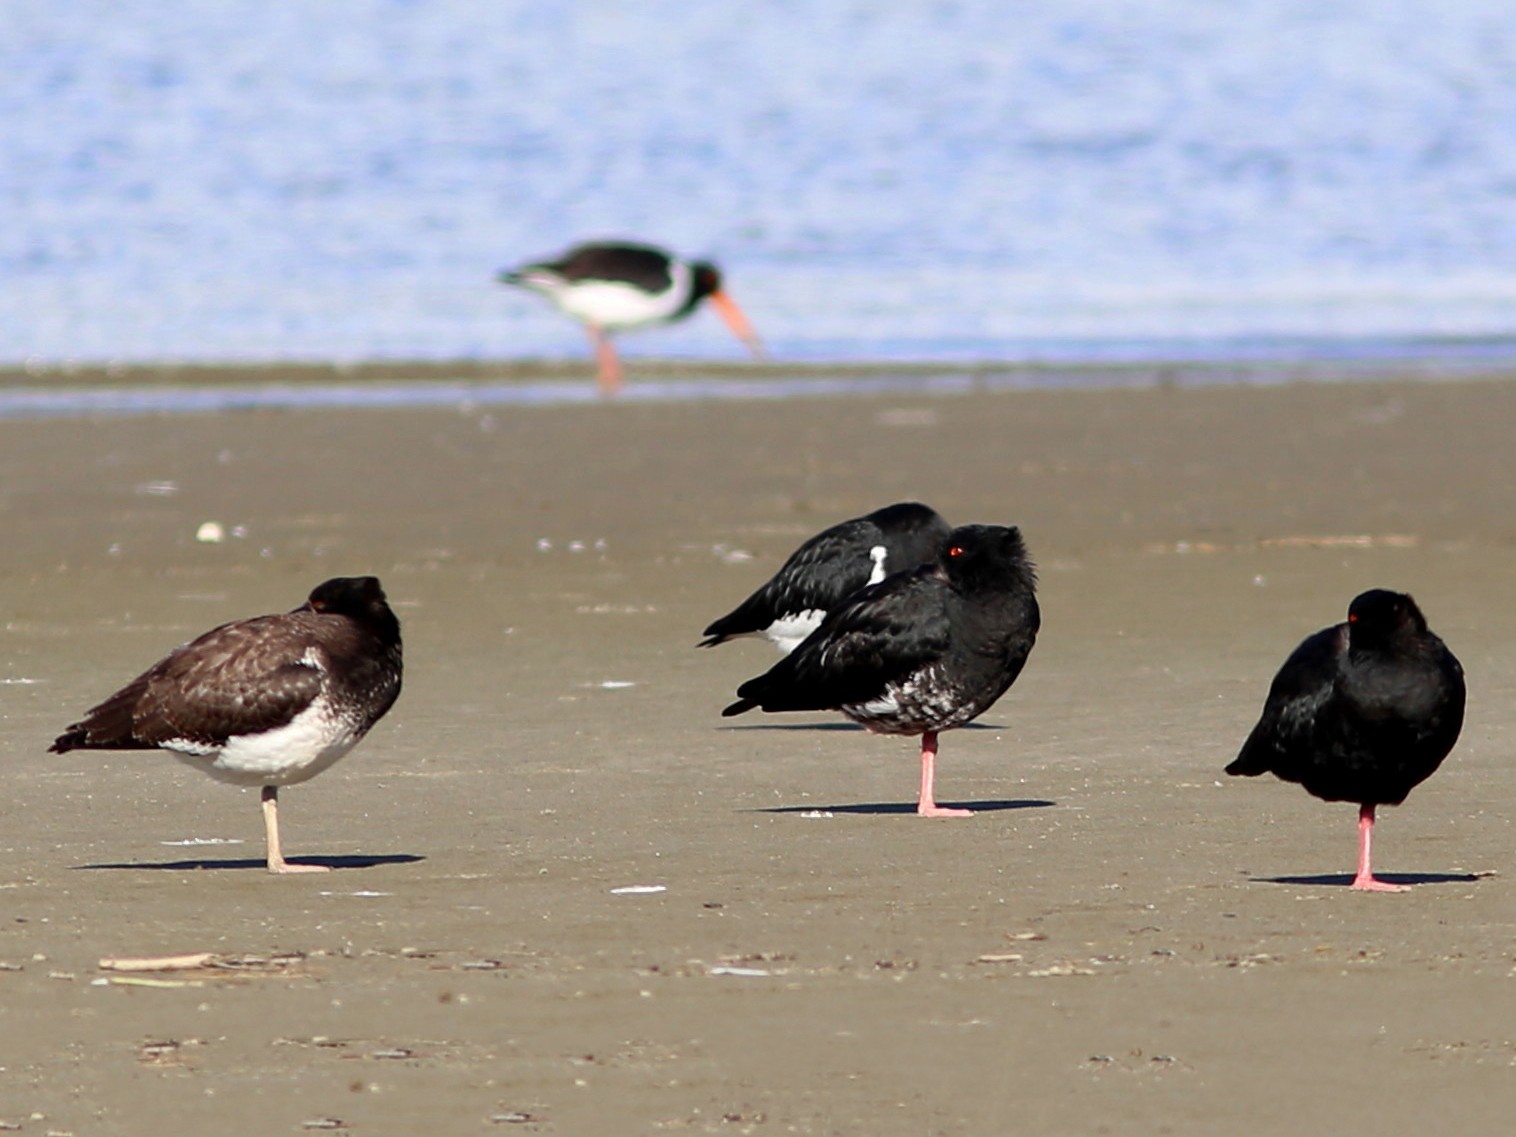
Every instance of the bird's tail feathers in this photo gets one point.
(71, 739)
(1250, 763)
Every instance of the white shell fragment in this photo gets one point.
(205, 841)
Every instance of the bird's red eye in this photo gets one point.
(956, 551)
(1352, 617)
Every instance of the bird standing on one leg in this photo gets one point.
(830, 567)
(269, 701)
(613, 286)
(1364, 712)
(923, 651)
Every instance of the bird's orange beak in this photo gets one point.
(727, 309)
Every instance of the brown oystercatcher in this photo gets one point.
(922, 651)
(1363, 711)
(268, 702)
(613, 286)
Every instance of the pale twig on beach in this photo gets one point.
(159, 963)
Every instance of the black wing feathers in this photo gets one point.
(815, 577)
(883, 633)
(829, 567)
(1302, 687)
(642, 266)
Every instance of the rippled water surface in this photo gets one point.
(230, 180)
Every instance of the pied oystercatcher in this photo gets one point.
(831, 566)
(1363, 711)
(612, 286)
(268, 702)
(923, 651)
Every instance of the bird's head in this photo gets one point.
(359, 598)
(988, 556)
(1379, 615)
(705, 284)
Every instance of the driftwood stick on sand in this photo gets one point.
(159, 963)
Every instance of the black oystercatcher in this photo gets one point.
(613, 286)
(923, 651)
(1364, 711)
(831, 566)
(266, 702)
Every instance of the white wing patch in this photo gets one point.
(787, 632)
(877, 555)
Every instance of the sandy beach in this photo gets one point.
(1122, 942)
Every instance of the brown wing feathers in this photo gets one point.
(241, 678)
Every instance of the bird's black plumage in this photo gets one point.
(619, 262)
(1363, 711)
(920, 652)
(830, 567)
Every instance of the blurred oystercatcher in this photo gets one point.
(921, 652)
(268, 702)
(1362, 711)
(830, 567)
(611, 286)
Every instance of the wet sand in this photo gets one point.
(1121, 942)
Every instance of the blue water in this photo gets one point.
(230, 180)
(134, 401)
(57, 399)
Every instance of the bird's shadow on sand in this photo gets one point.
(834, 726)
(357, 861)
(909, 806)
(1344, 879)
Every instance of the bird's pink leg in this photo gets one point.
(926, 804)
(607, 361)
(276, 861)
(1364, 881)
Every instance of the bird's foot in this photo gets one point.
(282, 867)
(942, 811)
(1373, 884)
